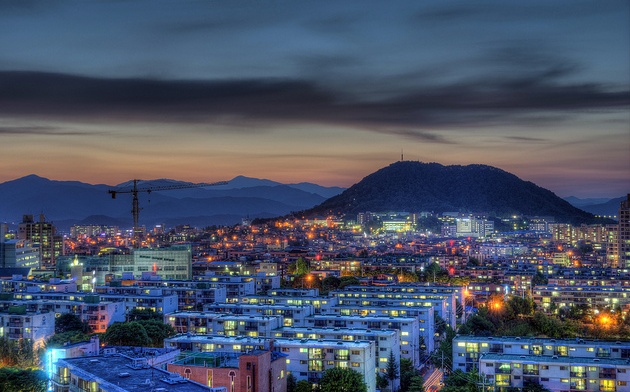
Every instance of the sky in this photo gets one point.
(317, 91)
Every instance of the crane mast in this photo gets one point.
(135, 204)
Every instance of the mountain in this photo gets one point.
(72, 202)
(609, 208)
(416, 186)
(579, 203)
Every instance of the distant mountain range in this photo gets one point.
(416, 186)
(597, 206)
(70, 202)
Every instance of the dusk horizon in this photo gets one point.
(300, 92)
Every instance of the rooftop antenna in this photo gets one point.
(401, 155)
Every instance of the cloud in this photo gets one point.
(42, 131)
(527, 139)
(472, 103)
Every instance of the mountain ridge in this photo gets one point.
(417, 186)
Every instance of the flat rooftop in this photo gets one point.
(116, 373)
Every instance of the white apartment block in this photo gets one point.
(308, 359)
(223, 324)
(503, 371)
(292, 315)
(386, 341)
(18, 324)
(321, 305)
(468, 349)
(407, 327)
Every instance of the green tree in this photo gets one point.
(518, 307)
(381, 381)
(59, 339)
(302, 266)
(291, 383)
(531, 386)
(442, 357)
(136, 314)
(407, 372)
(126, 334)
(348, 281)
(23, 380)
(539, 279)
(342, 380)
(417, 384)
(71, 322)
(303, 386)
(393, 371)
(330, 283)
(157, 331)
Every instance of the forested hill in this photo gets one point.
(417, 186)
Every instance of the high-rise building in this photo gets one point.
(19, 254)
(45, 235)
(623, 234)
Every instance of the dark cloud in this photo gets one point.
(527, 139)
(41, 131)
(465, 104)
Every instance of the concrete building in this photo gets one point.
(624, 233)
(172, 263)
(16, 323)
(19, 254)
(386, 341)
(190, 295)
(610, 297)
(407, 327)
(118, 373)
(291, 314)
(468, 349)
(502, 372)
(256, 371)
(44, 234)
(308, 359)
(223, 324)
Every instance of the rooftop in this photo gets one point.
(117, 373)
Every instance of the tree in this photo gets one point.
(392, 369)
(136, 314)
(442, 357)
(416, 385)
(381, 381)
(23, 380)
(157, 331)
(303, 386)
(342, 380)
(71, 322)
(539, 279)
(126, 334)
(348, 281)
(59, 339)
(291, 383)
(407, 372)
(302, 266)
(330, 283)
(531, 386)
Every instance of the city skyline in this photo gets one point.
(103, 92)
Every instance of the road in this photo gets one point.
(433, 380)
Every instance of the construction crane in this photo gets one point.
(135, 208)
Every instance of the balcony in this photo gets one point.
(578, 374)
(530, 372)
(61, 380)
(342, 357)
(16, 336)
(608, 375)
(502, 371)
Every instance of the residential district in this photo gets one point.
(386, 301)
